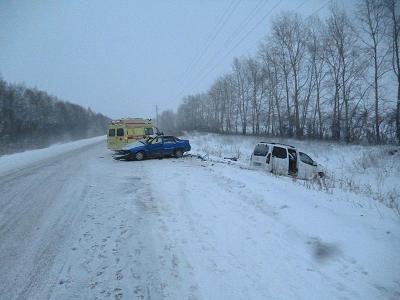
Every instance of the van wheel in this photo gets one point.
(139, 156)
(178, 153)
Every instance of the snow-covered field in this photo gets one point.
(373, 171)
(80, 225)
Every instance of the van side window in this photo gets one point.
(120, 132)
(305, 158)
(279, 152)
(261, 150)
(111, 132)
(148, 131)
(138, 131)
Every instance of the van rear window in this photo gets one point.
(261, 150)
(148, 131)
(111, 132)
(120, 132)
(279, 152)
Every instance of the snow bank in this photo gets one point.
(19, 160)
(369, 170)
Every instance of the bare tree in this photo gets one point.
(309, 79)
(373, 27)
(393, 17)
(288, 30)
(344, 61)
(316, 52)
(242, 90)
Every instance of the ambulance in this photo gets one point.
(124, 131)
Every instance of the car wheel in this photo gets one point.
(178, 153)
(139, 156)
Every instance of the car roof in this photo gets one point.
(277, 144)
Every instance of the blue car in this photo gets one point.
(157, 147)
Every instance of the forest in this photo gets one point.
(30, 118)
(336, 78)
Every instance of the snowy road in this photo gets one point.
(83, 226)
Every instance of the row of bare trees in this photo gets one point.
(337, 78)
(30, 118)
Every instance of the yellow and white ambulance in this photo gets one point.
(124, 131)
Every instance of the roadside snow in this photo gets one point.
(188, 229)
(373, 171)
(13, 162)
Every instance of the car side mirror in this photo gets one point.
(314, 164)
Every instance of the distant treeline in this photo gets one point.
(30, 118)
(335, 78)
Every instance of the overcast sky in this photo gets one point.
(121, 58)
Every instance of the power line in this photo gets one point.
(247, 34)
(210, 35)
(235, 33)
(246, 21)
(240, 41)
(299, 6)
(224, 19)
(319, 9)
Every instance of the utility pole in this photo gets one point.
(156, 115)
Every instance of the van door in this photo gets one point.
(130, 135)
(292, 153)
(120, 140)
(259, 154)
(306, 166)
(111, 139)
(280, 161)
(268, 162)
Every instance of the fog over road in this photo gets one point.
(81, 225)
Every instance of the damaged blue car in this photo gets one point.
(157, 147)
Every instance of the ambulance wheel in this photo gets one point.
(139, 156)
(178, 153)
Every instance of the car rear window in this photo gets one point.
(279, 152)
(261, 150)
(120, 132)
(111, 132)
(169, 139)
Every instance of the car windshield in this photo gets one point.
(134, 144)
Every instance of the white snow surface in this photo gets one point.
(368, 170)
(80, 225)
(12, 162)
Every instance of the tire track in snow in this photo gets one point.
(41, 207)
(123, 248)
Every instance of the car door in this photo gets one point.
(155, 147)
(169, 145)
(306, 166)
(280, 161)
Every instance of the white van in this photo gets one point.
(284, 159)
